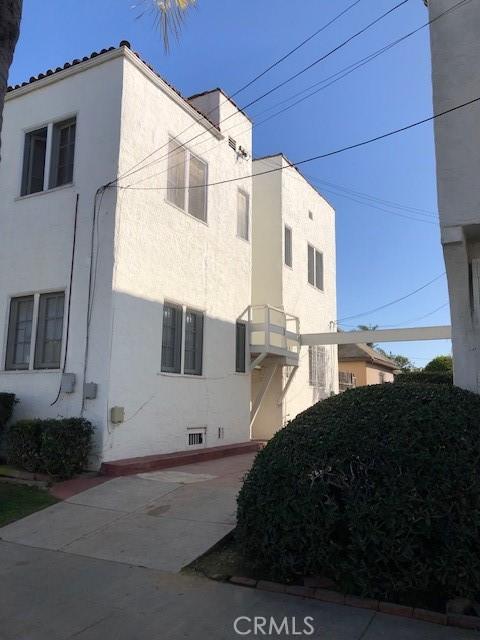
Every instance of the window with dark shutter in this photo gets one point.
(171, 338)
(34, 161)
(288, 247)
(193, 342)
(240, 347)
(19, 333)
(48, 346)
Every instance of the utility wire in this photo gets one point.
(389, 304)
(321, 156)
(349, 69)
(248, 84)
(402, 324)
(278, 86)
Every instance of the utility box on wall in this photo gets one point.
(117, 414)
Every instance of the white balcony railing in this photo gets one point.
(273, 331)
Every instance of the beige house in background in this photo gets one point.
(360, 365)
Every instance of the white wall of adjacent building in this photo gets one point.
(455, 45)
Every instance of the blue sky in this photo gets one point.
(380, 256)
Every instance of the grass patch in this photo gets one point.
(18, 501)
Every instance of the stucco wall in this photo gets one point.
(366, 373)
(455, 45)
(37, 230)
(285, 198)
(163, 253)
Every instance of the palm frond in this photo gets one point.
(169, 16)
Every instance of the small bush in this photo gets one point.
(7, 402)
(440, 363)
(377, 488)
(425, 377)
(23, 444)
(57, 447)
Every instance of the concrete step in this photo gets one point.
(129, 466)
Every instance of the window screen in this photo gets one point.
(19, 333)
(193, 342)
(172, 338)
(48, 346)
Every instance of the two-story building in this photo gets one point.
(128, 224)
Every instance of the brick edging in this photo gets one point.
(326, 595)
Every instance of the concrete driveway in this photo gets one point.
(104, 565)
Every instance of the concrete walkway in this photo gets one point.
(104, 566)
(161, 520)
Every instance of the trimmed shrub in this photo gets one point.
(422, 377)
(57, 447)
(23, 444)
(7, 402)
(440, 363)
(377, 488)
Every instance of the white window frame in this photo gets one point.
(184, 308)
(49, 165)
(186, 186)
(33, 341)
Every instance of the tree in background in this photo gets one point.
(440, 363)
(368, 327)
(169, 14)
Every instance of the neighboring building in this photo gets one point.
(131, 306)
(360, 365)
(293, 271)
(455, 45)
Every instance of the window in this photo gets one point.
(19, 333)
(49, 331)
(315, 267)
(63, 151)
(172, 338)
(34, 161)
(381, 377)
(288, 246)
(193, 342)
(310, 215)
(175, 338)
(60, 160)
(243, 222)
(49, 312)
(240, 346)
(186, 181)
(197, 190)
(317, 366)
(311, 265)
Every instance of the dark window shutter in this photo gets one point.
(240, 347)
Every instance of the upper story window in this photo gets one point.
(243, 215)
(43, 170)
(315, 267)
(46, 311)
(186, 181)
(288, 255)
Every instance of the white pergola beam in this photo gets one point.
(443, 332)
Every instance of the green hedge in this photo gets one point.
(377, 488)
(57, 447)
(422, 377)
(7, 402)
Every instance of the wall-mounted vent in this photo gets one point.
(232, 143)
(197, 436)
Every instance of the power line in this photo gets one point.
(389, 304)
(339, 75)
(249, 83)
(402, 324)
(321, 156)
(278, 86)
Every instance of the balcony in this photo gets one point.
(274, 332)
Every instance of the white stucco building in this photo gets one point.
(131, 306)
(455, 46)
